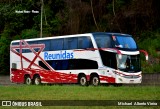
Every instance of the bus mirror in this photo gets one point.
(147, 58)
(145, 53)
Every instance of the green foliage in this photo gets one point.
(4, 52)
(29, 33)
(72, 17)
(150, 68)
(151, 45)
(117, 4)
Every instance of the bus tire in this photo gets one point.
(83, 80)
(37, 80)
(27, 80)
(95, 80)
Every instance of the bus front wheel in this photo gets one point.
(28, 80)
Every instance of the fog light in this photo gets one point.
(120, 79)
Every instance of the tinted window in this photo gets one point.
(47, 44)
(71, 64)
(57, 44)
(124, 42)
(103, 41)
(31, 43)
(70, 43)
(43, 65)
(56, 64)
(17, 50)
(109, 59)
(27, 50)
(60, 64)
(79, 64)
(129, 63)
(15, 43)
(84, 42)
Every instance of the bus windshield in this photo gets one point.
(124, 42)
(129, 63)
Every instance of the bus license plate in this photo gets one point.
(131, 81)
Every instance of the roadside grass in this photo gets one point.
(76, 92)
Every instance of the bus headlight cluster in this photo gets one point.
(120, 79)
(117, 73)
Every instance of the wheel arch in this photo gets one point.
(34, 79)
(25, 77)
(94, 81)
(79, 75)
(94, 74)
(36, 75)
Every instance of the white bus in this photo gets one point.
(90, 58)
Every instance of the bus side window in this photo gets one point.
(47, 44)
(16, 43)
(43, 65)
(24, 50)
(103, 41)
(57, 44)
(71, 43)
(84, 42)
(64, 65)
(79, 64)
(31, 43)
(109, 59)
(18, 50)
(53, 65)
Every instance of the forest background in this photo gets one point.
(140, 18)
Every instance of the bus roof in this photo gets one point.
(110, 33)
(77, 35)
(55, 37)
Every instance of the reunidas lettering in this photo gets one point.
(61, 55)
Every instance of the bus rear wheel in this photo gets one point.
(37, 80)
(28, 80)
(95, 81)
(83, 80)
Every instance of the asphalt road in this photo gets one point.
(5, 80)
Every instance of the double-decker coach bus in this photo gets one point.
(90, 58)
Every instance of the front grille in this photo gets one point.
(131, 76)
